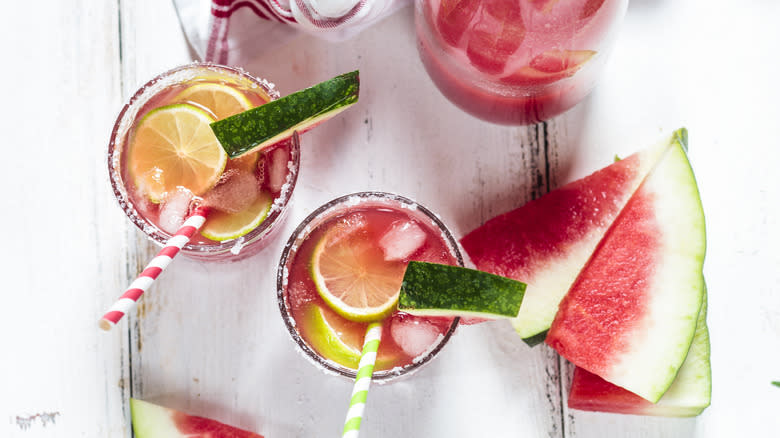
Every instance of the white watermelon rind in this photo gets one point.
(152, 421)
(662, 343)
(691, 391)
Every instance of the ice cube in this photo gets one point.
(496, 36)
(236, 191)
(174, 210)
(414, 335)
(347, 226)
(454, 18)
(402, 240)
(277, 160)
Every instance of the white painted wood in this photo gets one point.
(208, 339)
(63, 256)
(716, 79)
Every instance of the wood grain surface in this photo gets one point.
(208, 339)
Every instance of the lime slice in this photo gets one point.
(353, 277)
(338, 339)
(431, 289)
(173, 146)
(223, 101)
(225, 226)
(324, 338)
(277, 120)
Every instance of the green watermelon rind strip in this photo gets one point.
(536, 339)
(431, 289)
(267, 124)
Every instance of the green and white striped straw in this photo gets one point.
(362, 381)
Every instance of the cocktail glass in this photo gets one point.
(149, 215)
(516, 61)
(408, 342)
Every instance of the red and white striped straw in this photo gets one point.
(145, 279)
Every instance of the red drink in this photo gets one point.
(248, 194)
(389, 231)
(515, 61)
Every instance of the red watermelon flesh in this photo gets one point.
(547, 241)
(688, 396)
(631, 314)
(154, 421)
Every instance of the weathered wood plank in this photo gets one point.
(63, 250)
(151, 42)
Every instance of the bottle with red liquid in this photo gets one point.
(516, 62)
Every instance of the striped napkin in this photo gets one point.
(235, 31)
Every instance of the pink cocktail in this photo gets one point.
(382, 232)
(247, 196)
(515, 61)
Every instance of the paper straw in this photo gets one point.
(357, 403)
(145, 279)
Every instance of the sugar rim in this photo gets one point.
(317, 217)
(124, 123)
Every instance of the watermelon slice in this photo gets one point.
(547, 241)
(688, 396)
(153, 421)
(630, 316)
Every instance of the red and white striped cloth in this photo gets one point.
(235, 31)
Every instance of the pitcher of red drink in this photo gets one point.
(516, 62)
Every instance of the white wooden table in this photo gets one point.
(209, 339)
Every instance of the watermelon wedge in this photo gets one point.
(547, 241)
(630, 316)
(153, 421)
(688, 396)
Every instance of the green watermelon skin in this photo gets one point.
(154, 421)
(277, 120)
(547, 241)
(688, 396)
(471, 293)
(631, 315)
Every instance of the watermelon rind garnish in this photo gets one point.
(268, 124)
(630, 317)
(431, 289)
(688, 396)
